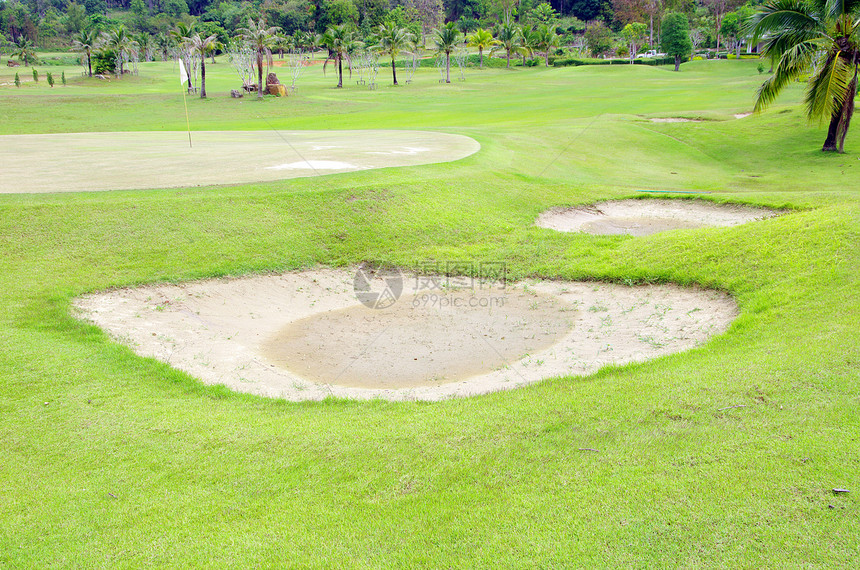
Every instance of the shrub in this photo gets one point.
(17, 80)
(50, 77)
(35, 75)
(63, 78)
(104, 62)
(572, 61)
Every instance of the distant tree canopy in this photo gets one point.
(675, 37)
(55, 23)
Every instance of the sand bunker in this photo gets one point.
(304, 336)
(649, 216)
(133, 161)
(675, 120)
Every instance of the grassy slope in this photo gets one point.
(108, 458)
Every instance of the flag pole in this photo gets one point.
(187, 122)
(183, 78)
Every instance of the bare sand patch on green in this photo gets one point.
(305, 336)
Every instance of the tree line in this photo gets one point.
(54, 23)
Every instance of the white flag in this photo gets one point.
(183, 75)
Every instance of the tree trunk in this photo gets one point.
(447, 68)
(393, 70)
(546, 58)
(651, 26)
(339, 72)
(509, 59)
(89, 64)
(677, 63)
(202, 76)
(830, 141)
(847, 112)
(260, 75)
(480, 58)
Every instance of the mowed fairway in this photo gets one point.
(724, 455)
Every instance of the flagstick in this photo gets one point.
(187, 122)
(183, 79)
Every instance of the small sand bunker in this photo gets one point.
(742, 115)
(305, 336)
(675, 120)
(649, 216)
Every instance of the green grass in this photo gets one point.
(109, 459)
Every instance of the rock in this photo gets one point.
(11, 63)
(236, 94)
(272, 79)
(278, 90)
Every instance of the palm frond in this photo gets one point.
(829, 87)
(791, 65)
(837, 8)
(783, 16)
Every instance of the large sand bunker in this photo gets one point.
(304, 336)
(649, 216)
(140, 160)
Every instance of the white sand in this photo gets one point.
(230, 331)
(649, 216)
(675, 120)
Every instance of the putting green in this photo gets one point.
(138, 160)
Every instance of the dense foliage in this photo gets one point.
(55, 23)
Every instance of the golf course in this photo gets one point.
(739, 447)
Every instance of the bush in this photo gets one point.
(35, 75)
(50, 78)
(17, 80)
(572, 61)
(104, 62)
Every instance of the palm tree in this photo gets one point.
(482, 39)
(446, 39)
(145, 45)
(528, 42)
(282, 44)
(120, 43)
(260, 39)
(24, 49)
(391, 40)
(340, 41)
(202, 46)
(180, 36)
(816, 37)
(162, 43)
(85, 42)
(546, 40)
(509, 40)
